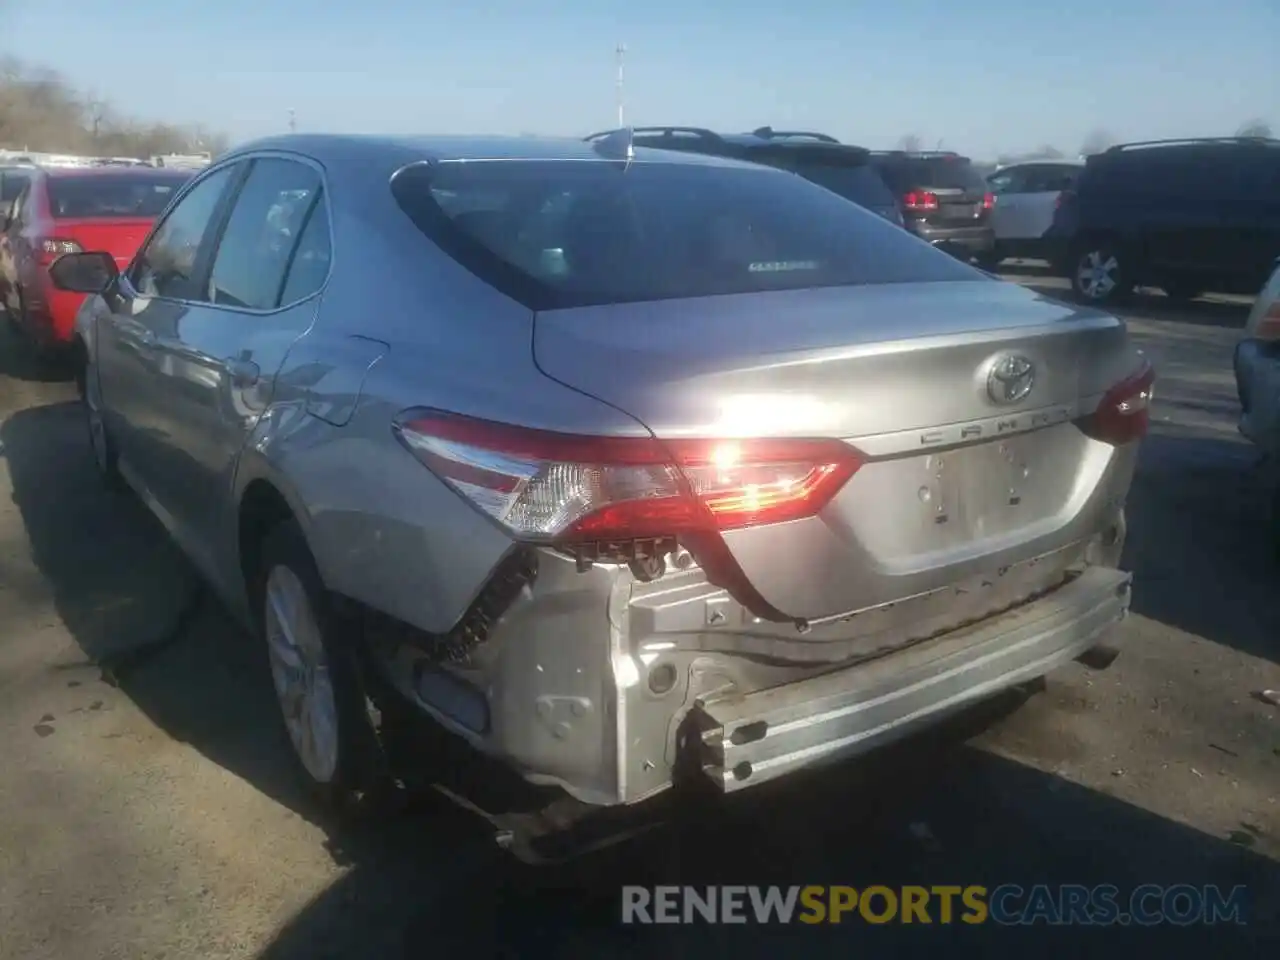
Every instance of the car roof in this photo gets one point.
(920, 156)
(338, 148)
(801, 143)
(60, 173)
(1063, 162)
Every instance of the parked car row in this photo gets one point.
(1188, 216)
(59, 210)
(632, 471)
(936, 195)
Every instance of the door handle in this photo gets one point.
(148, 339)
(243, 373)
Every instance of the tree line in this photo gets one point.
(42, 113)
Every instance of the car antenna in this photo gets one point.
(617, 144)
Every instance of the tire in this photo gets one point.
(1099, 275)
(324, 712)
(102, 447)
(1275, 523)
(990, 260)
(1181, 291)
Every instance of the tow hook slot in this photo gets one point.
(749, 733)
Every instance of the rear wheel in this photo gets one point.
(1275, 522)
(989, 260)
(316, 675)
(1099, 274)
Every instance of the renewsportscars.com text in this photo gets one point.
(1008, 904)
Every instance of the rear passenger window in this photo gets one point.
(310, 264)
(11, 186)
(258, 243)
(1049, 179)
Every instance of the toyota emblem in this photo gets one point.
(1011, 379)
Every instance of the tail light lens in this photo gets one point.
(49, 249)
(561, 488)
(1268, 326)
(1125, 411)
(920, 201)
(988, 201)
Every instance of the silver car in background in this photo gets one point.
(1257, 369)
(626, 467)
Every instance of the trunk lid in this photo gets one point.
(118, 236)
(955, 483)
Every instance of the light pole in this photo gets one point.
(621, 52)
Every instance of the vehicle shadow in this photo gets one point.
(1199, 542)
(19, 360)
(430, 881)
(136, 608)
(909, 817)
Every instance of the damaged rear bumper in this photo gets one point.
(743, 740)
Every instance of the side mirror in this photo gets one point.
(84, 272)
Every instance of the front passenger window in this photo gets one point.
(167, 267)
(1005, 182)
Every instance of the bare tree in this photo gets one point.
(910, 143)
(1097, 141)
(40, 112)
(1255, 128)
(1045, 152)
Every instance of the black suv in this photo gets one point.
(840, 167)
(944, 199)
(1188, 216)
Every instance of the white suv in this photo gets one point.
(1026, 196)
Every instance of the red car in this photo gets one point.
(67, 210)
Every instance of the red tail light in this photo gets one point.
(49, 249)
(554, 487)
(1268, 327)
(1125, 411)
(988, 201)
(920, 200)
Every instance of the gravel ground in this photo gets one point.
(147, 811)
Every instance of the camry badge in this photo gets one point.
(1011, 379)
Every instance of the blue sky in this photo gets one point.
(987, 77)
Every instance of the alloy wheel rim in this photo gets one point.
(300, 673)
(1096, 274)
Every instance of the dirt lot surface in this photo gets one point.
(147, 810)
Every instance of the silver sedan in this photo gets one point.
(1257, 369)
(622, 466)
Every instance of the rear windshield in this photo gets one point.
(143, 194)
(12, 183)
(938, 172)
(861, 184)
(555, 234)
